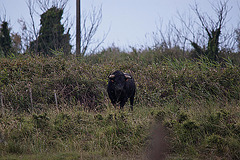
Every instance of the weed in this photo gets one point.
(197, 102)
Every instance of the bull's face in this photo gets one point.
(118, 82)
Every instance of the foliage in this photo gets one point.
(16, 42)
(5, 40)
(80, 82)
(197, 101)
(71, 130)
(51, 34)
(212, 135)
(212, 51)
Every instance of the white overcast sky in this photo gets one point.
(131, 22)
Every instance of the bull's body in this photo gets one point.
(121, 86)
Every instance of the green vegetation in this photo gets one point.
(196, 100)
(5, 39)
(51, 34)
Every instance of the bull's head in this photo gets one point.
(118, 81)
(127, 76)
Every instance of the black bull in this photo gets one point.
(121, 86)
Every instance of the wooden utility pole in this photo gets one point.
(78, 27)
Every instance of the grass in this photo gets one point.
(68, 156)
(209, 132)
(194, 102)
(106, 133)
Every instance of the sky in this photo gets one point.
(127, 22)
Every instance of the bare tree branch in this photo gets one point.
(211, 29)
(90, 26)
(3, 16)
(31, 9)
(30, 31)
(44, 5)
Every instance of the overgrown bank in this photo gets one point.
(197, 101)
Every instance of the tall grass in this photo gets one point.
(197, 101)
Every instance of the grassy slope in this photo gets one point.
(198, 103)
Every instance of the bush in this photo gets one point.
(215, 135)
(197, 101)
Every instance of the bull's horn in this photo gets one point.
(127, 76)
(111, 76)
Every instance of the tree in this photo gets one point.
(90, 23)
(78, 27)
(16, 42)
(5, 39)
(30, 29)
(212, 30)
(89, 28)
(238, 38)
(51, 34)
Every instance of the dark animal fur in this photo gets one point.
(121, 86)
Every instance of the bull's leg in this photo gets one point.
(131, 102)
(122, 103)
(115, 105)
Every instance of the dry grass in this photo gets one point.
(197, 102)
